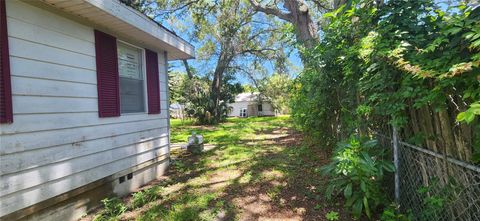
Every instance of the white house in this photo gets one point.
(83, 104)
(250, 104)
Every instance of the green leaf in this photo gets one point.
(454, 30)
(350, 201)
(367, 208)
(475, 44)
(332, 216)
(468, 35)
(363, 186)
(329, 15)
(469, 116)
(389, 167)
(357, 208)
(347, 192)
(461, 117)
(370, 143)
(368, 159)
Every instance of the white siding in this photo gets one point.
(57, 141)
(237, 106)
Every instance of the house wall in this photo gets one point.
(57, 143)
(237, 106)
(267, 109)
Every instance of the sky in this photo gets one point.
(182, 27)
(203, 66)
(294, 58)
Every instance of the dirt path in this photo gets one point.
(266, 176)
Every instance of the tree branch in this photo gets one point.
(271, 11)
(321, 5)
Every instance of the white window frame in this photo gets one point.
(243, 112)
(144, 75)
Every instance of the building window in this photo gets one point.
(260, 107)
(132, 83)
(243, 112)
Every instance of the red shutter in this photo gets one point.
(153, 82)
(6, 113)
(107, 75)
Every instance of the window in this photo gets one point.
(260, 107)
(243, 112)
(132, 83)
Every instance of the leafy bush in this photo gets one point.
(391, 213)
(408, 63)
(332, 216)
(196, 95)
(113, 208)
(357, 170)
(143, 197)
(435, 198)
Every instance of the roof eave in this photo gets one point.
(117, 18)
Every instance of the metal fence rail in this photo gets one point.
(434, 187)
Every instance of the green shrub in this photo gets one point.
(434, 202)
(332, 216)
(357, 170)
(113, 208)
(391, 213)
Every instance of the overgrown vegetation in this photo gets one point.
(143, 197)
(356, 171)
(410, 64)
(406, 63)
(195, 94)
(113, 208)
(277, 89)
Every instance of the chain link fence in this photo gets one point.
(435, 187)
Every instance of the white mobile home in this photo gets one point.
(83, 104)
(250, 105)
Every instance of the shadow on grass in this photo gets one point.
(258, 169)
(247, 181)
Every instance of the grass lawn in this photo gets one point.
(258, 169)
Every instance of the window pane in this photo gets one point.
(132, 98)
(129, 62)
(131, 95)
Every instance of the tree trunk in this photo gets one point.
(305, 28)
(188, 69)
(216, 87)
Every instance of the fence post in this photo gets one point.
(396, 164)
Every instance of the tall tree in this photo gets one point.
(236, 34)
(231, 36)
